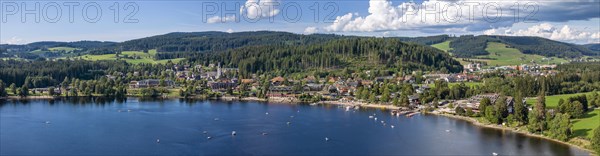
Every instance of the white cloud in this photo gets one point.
(219, 19)
(311, 30)
(256, 9)
(546, 30)
(13, 40)
(456, 16)
(251, 10)
(229, 31)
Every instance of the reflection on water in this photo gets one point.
(107, 126)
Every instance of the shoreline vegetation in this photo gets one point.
(574, 142)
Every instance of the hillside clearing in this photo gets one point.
(502, 55)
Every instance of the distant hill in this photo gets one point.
(594, 47)
(222, 46)
(471, 46)
(353, 53)
(219, 41)
(428, 40)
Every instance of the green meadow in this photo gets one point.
(585, 126)
(582, 127)
(134, 57)
(444, 46)
(552, 101)
(501, 55)
(66, 49)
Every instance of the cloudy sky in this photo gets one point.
(574, 21)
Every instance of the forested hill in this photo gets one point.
(428, 40)
(352, 53)
(593, 47)
(470, 46)
(219, 41)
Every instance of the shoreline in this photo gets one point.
(288, 100)
(474, 122)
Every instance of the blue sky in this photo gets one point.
(569, 21)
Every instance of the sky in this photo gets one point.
(26, 21)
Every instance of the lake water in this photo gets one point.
(133, 127)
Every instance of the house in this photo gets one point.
(45, 90)
(223, 84)
(383, 78)
(277, 81)
(247, 81)
(151, 83)
(313, 87)
(310, 79)
(414, 99)
(280, 91)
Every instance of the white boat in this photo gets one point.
(204, 132)
(208, 138)
(47, 122)
(370, 117)
(494, 153)
(392, 126)
(447, 130)
(157, 140)
(326, 139)
(233, 133)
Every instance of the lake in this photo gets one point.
(176, 127)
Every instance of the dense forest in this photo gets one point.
(545, 47)
(470, 46)
(428, 40)
(219, 41)
(389, 53)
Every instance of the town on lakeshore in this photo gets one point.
(498, 97)
(290, 77)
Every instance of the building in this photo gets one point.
(277, 81)
(474, 101)
(151, 83)
(313, 87)
(280, 91)
(223, 84)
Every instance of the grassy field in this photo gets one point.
(501, 55)
(585, 126)
(581, 127)
(444, 46)
(56, 49)
(134, 57)
(552, 101)
(66, 49)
